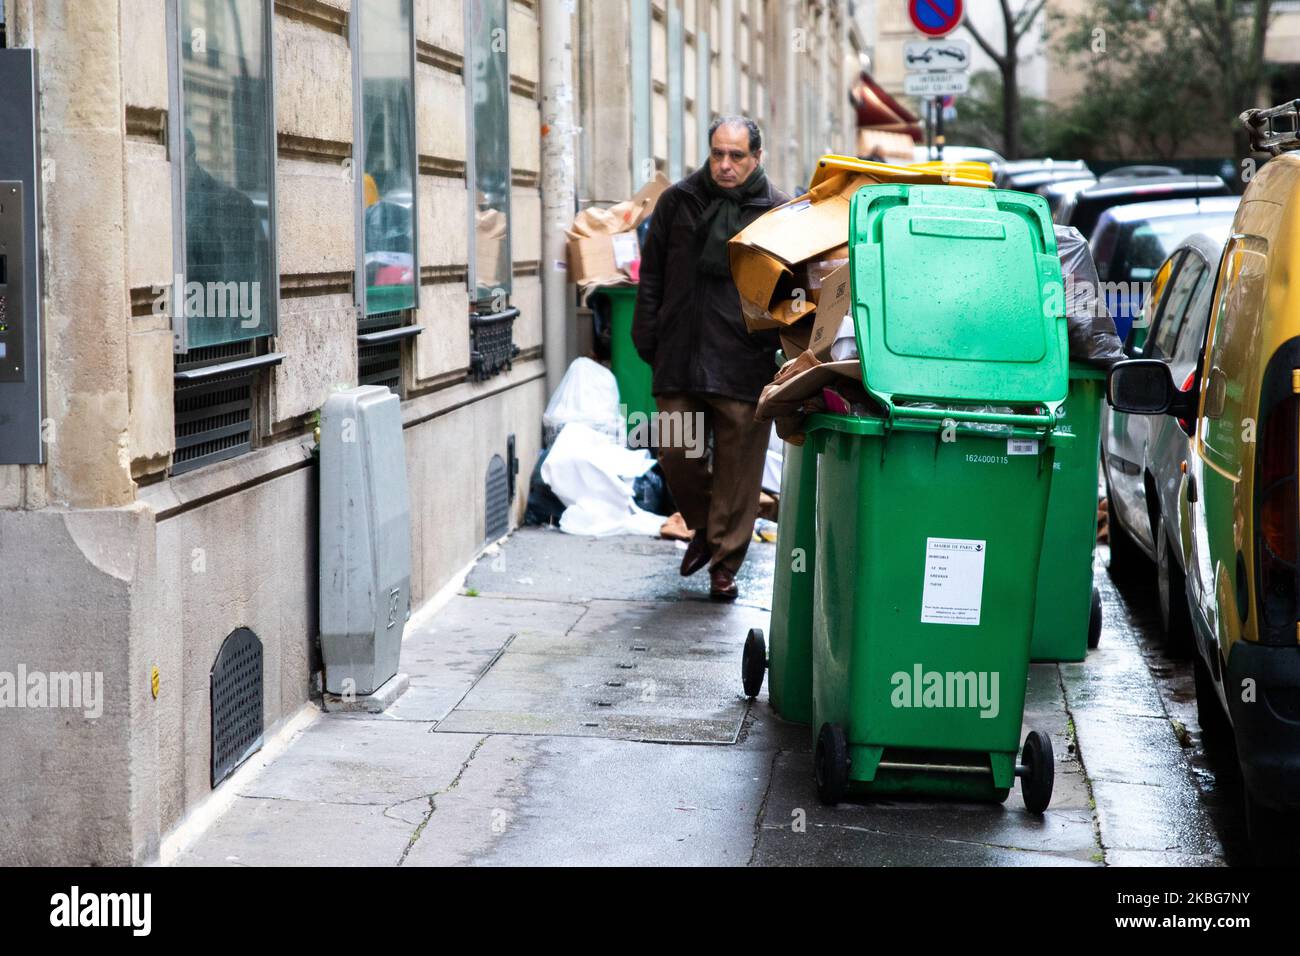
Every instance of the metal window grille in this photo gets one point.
(381, 364)
(214, 417)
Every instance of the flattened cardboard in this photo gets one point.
(775, 243)
(603, 242)
(794, 338)
(836, 301)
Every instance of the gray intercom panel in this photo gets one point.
(21, 387)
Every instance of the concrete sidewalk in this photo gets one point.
(581, 704)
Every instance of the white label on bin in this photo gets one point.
(954, 581)
(1022, 446)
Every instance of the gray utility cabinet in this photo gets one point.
(365, 539)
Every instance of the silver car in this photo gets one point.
(1143, 456)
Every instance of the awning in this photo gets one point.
(879, 111)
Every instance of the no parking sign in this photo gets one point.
(935, 18)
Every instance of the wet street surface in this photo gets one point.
(1210, 784)
(580, 703)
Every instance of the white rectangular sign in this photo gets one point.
(935, 84)
(954, 581)
(931, 56)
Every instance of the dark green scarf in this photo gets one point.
(721, 220)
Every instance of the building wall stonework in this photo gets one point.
(135, 569)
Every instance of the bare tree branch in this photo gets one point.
(1028, 14)
(993, 54)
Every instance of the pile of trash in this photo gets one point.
(604, 244)
(792, 269)
(587, 481)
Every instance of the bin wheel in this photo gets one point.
(1039, 773)
(1094, 621)
(753, 662)
(831, 764)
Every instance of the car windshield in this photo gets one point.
(1145, 244)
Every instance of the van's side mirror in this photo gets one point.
(1146, 387)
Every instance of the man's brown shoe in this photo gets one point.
(697, 554)
(722, 585)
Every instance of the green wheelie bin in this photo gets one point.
(630, 370)
(930, 511)
(1067, 620)
(788, 657)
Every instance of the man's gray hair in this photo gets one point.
(755, 135)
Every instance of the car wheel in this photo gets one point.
(1172, 588)
(1216, 731)
(1124, 552)
(1274, 834)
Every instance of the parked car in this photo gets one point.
(960, 154)
(1143, 458)
(1130, 243)
(1029, 174)
(1241, 495)
(1129, 172)
(1088, 205)
(1061, 191)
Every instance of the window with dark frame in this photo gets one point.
(487, 84)
(389, 272)
(224, 297)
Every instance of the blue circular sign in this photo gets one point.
(935, 18)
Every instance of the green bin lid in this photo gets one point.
(957, 296)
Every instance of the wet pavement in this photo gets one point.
(580, 703)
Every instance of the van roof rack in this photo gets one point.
(1275, 129)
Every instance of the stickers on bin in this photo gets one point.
(954, 581)
(1022, 446)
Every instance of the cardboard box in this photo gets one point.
(765, 254)
(603, 245)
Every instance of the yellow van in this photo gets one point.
(1240, 495)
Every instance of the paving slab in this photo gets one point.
(261, 832)
(591, 802)
(361, 761)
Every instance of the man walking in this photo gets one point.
(707, 367)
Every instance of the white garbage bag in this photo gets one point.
(593, 477)
(587, 395)
(772, 465)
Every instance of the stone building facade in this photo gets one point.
(175, 505)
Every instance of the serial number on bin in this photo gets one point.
(987, 459)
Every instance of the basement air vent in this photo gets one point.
(236, 696)
(380, 364)
(497, 511)
(214, 416)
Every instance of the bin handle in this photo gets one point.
(1047, 419)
